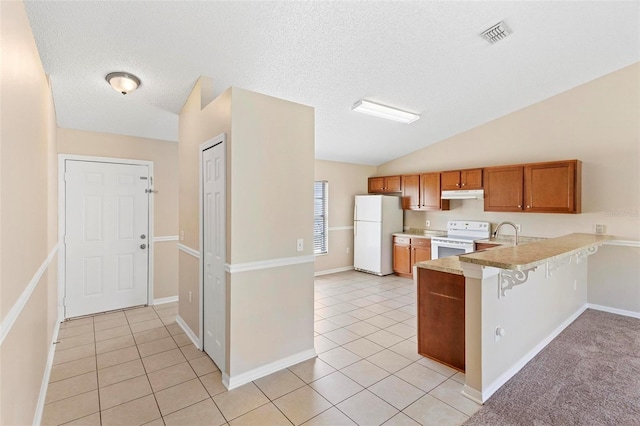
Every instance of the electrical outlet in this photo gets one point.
(599, 229)
(189, 297)
(300, 244)
(348, 250)
(427, 223)
(181, 235)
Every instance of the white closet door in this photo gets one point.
(214, 246)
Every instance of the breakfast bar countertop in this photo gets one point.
(450, 265)
(530, 255)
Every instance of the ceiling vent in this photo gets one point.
(496, 33)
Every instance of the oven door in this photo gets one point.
(440, 248)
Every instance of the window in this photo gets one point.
(320, 212)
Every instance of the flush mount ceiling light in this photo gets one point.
(384, 111)
(496, 33)
(123, 82)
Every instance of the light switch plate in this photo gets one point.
(300, 244)
(600, 229)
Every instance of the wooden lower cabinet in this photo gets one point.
(402, 255)
(484, 246)
(441, 317)
(407, 251)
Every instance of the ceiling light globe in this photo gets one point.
(123, 82)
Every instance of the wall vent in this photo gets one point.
(496, 33)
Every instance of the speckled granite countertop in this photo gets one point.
(507, 240)
(450, 264)
(529, 255)
(421, 233)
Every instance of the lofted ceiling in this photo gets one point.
(421, 56)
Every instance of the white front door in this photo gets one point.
(214, 246)
(107, 236)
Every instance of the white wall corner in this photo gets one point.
(232, 382)
(194, 338)
(163, 300)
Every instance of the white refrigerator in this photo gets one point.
(375, 219)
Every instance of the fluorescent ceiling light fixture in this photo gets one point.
(384, 111)
(123, 82)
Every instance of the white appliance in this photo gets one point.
(463, 194)
(375, 219)
(460, 239)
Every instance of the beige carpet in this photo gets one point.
(588, 375)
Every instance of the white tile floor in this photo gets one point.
(138, 367)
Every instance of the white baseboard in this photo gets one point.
(472, 394)
(37, 420)
(265, 370)
(164, 300)
(334, 271)
(187, 330)
(504, 378)
(617, 311)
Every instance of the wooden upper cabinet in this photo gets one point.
(384, 184)
(503, 189)
(411, 192)
(430, 193)
(461, 179)
(552, 187)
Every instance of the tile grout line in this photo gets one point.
(146, 374)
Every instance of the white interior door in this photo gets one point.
(106, 240)
(214, 246)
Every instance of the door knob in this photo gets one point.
(142, 237)
(143, 246)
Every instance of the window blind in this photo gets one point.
(320, 220)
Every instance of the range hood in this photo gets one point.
(463, 194)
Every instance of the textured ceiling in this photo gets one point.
(425, 57)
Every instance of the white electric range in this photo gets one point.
(460, 238)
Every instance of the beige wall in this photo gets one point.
(196, 125)
(345, 182)
(598, 123)
(269, 206)
(164, 155)
(27, 219)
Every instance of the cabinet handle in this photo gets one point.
(519, 206)
(457, 185)
(528, 207)
(463, 184)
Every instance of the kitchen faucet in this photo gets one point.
(495, 233)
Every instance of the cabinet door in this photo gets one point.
(550, 187)
(420, 254)
(430, 193)
(450, 180)
(503, 189)
(376, 185)
(471, 179)
(441, 316)
(392, 184)
(402, 259)
(411, 192)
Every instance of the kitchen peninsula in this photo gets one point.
(516, 300)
